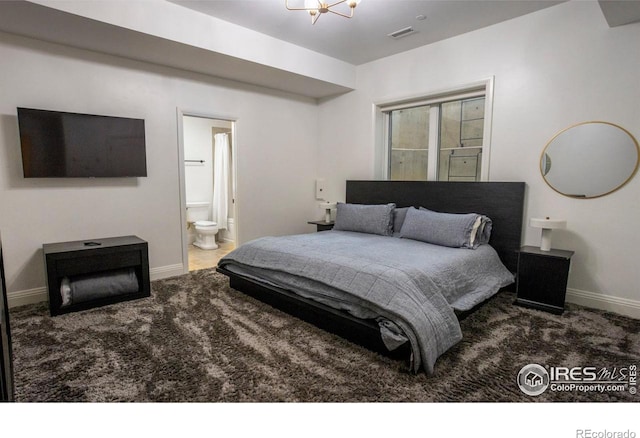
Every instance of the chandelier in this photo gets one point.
(319, 7)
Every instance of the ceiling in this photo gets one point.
(240, 40)
(364, 37)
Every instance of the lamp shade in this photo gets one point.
(547, 225)
(551, 224)
(328, 204)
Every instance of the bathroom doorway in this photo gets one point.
(209, 189)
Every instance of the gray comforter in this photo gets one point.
(415, 285)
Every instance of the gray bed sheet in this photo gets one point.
(413, 284)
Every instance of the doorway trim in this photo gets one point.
(181, 175)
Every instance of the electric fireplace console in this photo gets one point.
(98, 271)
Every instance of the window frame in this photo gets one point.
(383, 108)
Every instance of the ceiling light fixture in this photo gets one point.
(319, 7)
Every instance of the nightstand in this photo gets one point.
(322, 225)
(542, 278)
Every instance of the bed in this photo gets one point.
(398, 296)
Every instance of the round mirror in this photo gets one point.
(590, 159)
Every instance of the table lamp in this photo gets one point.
(328, 206)
(547, 225)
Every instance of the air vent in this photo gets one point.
(402, 32)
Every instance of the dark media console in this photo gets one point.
(96, 258)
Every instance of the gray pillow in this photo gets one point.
(372, 219)
(446, 229)
(398, 219)
(484, 230)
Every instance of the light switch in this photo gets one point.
(320, 188)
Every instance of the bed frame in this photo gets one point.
(503, 202)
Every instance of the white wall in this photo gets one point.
(270, 161)
(552, 69)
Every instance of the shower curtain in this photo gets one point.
(221, 180)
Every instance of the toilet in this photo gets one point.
(206, 234)
(205, 230)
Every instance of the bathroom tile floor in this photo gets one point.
(202, 259)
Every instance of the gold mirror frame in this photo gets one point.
(545, 160)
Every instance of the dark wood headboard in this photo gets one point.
(503, 202)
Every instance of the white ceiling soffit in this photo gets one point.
(620, 12)
(258, 41)
(363, 38)
(264, 61)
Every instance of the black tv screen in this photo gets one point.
(66, 145)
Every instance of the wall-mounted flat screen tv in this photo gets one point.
(68, 145)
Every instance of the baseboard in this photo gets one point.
(28, 296)
(622, 306)
(39, 294)
(166, 271)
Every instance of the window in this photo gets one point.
(439, 138)
(460, 140)
(409, 129)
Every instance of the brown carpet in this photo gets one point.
(195, 339)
